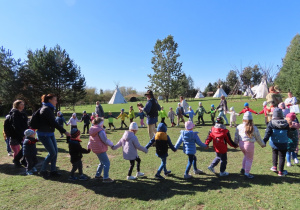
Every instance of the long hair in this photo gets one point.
(45, 98)
(249, 128)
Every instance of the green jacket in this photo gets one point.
(131, 114)
(162, 114)
(200, 111)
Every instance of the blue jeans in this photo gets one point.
(50, 145)
(290, 155)
(192, 160)
(162, 166)
(104, 165)
(222, 114)
(7, 140)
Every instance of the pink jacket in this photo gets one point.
(97, 144)
(130, 144)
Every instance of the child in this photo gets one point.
(277, 131)
(171, 115)
(60, 120)
(73, 121)
(200, 112)
(162, 141)
(122, 116)
(75, 151)
(86, 122)
(7, 141)
(130, 144)
(191, 114)
(233, 115)
(30, 151)
(293, 137)
(245, 136)
(93, 116)
(190, 139)
(220, 137)
(247, 109)
(162, 113)
(265, 111)
(284, 110)
(212, 113)
(111, 118)
(131, 114)
(142, 115)
(98, 144)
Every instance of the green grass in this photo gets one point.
(265, 191)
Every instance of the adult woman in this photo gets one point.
(223, 108)
(245, 135)
(184, 104)
(46, 134)
(273, 97)
(151, 108)
(290, 101)
(19, 123)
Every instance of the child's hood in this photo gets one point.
(128, 135)
(220, 126)
(161, 127)
(281, 124)
(188, 134)
(94, 130)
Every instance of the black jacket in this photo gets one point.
(86, 119)
(75, 150)
(47, 120)
(19, 123)
(29, 147)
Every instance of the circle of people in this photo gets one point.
(282, 131)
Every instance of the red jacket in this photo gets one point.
(220, 137)
(247, 109)
(265, 111)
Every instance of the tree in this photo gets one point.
(251, 75)
(165, 66)
(289, 74)
(232, 79)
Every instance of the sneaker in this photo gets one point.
(44, 174)
(158, 177)
(9, 154)
(99, 177)
(29, 173)
(211, 169)
(243, 171)
(296, 161)
(167, 173)
(131, 177)
(274, 168)
(224, 173)
(62, 136)
(198, 171)
(55, 174)
(34, 170)
(83, 133)
(139, 174)
(288, 164)
(73, 178)
(249, 176)
(283, 173)
(108, 180)
(83, 178)
(187, 176)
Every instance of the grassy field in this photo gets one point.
(208, 191)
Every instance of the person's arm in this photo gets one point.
(48, 116)
(258, 138)
(229, 140)
(83, 150)
(119, 116)
(225, 106)
(138, 146)
(268, 133)
(150, 143)
(253, 111)
(179, 141)
(261, 112)
(147, 107)
(119, 144)
(208, 138)
(171, 145)
(237, 136)
(199, 142)
(104, 139)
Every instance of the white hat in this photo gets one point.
(29, 132)
(247, 116)
(200, 103)
(74, 114)
(179, 103)
(133, 126)
(231, 108)
(265, 103)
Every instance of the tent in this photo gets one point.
(262, 89)
(117, 98)
(160, 98)
(248, 92)
(254, 88)
(199, 95)
(133, 99)
(220, 92)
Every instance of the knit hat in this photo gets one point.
(29, 132)
(133, 126)
(179, 103)
(59, 112)
(93, 113)
(231, 108)
(122, 110)
(277, 114)
(291, 115)
(84, 112)
(246, 104)
(248, 116)
(189, 125)
(190, 107)
(212, 105)
(200, 103)
(265, 103)
(74, 114)
(281, 105)
(219, 120)
(75, 133)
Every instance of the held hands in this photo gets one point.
(67, 133)
(206, 147)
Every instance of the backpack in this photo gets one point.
(34, 123)
(8, 126)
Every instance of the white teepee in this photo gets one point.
(220, 92)
(160, 98)
(262, 89)
(117, 98)
(199, 95)
(248, 92)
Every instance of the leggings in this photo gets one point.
(247, 148)
(281, 154)
(123, 123)
(138, 161)
(200, 117)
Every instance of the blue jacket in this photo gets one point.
(60, 120)
(277, 131)
(191, 114)
(29, 147)
(151, 108)
(189, 139)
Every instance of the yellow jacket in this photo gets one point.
(122, 115)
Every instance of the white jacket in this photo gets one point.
(240, 135)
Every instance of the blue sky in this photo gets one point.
(112, 40)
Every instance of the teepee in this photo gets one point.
(248, 92)
(220, 92)
(199, 94)
(262, 89)
(117, 98)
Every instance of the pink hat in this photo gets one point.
(291, 115)
(189, 125)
